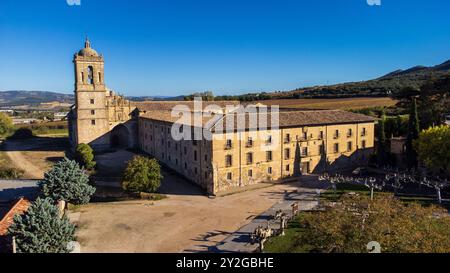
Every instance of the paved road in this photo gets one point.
(239, 241)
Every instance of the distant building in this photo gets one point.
(398, 150)
(60, 116)
(306, 141)
(19, 121)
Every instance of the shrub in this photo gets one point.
(67, 182)
(41, 229)
(6, 124)
(142, 175)
(10, 173)
(433, 148)
(84, 155)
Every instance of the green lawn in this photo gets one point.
(287, 243)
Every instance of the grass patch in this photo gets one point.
(289, 242)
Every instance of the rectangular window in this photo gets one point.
(305, 135)
(195, 155)
(249, 158)
(93, 122)
(364, 132)
(269, 140)
(250, 173)
(229, 176)
(304, 151)
(92, 112)
(287, 154)
(229, 160)
(229, 144)
(195, 171)
(336, 134)
(269, 156)
(350, 133)
(269, 170)
(288, 168)
(249, 142)
(336, 147)
(349, 146)
(92, 101)
(206, 158)
(287, 138)
(194, 142)
(321, 136)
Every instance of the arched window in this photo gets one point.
(90, 75)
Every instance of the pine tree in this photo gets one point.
(41, 229)
(67, 182)
(413, 134)
(381, 148)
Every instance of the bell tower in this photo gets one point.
(90, 112)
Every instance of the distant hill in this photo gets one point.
(385, 85)
(32, 98)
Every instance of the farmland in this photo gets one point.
(333, 104)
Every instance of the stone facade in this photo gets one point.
(97, 110)
(305, 142)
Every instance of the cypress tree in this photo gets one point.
(413, 134)
(381, 148)
(41, 229)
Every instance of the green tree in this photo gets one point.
(433, 148)
(67, 182)
(41, 229)
(84, 155)
(381, 147)
(142, 175)
(350, 224)
(413, 134)
(6, 124)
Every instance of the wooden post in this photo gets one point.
(14, 246)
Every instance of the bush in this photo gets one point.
(22, 133)
(6, 124)
(142, 175)
(84, 155)
(67, 182)
(41, 229)
(10, 173)
(433, 148)
(350, 224)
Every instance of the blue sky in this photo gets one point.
(173, 47)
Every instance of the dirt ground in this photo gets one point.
(35, 156)
(188, 222)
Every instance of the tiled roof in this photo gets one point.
(286, 118)
(18, 208)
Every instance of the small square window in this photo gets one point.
(229, 176)
(92, 101)
(93, 122)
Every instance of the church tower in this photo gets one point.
(90, 114)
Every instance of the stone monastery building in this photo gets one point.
(305, 142)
